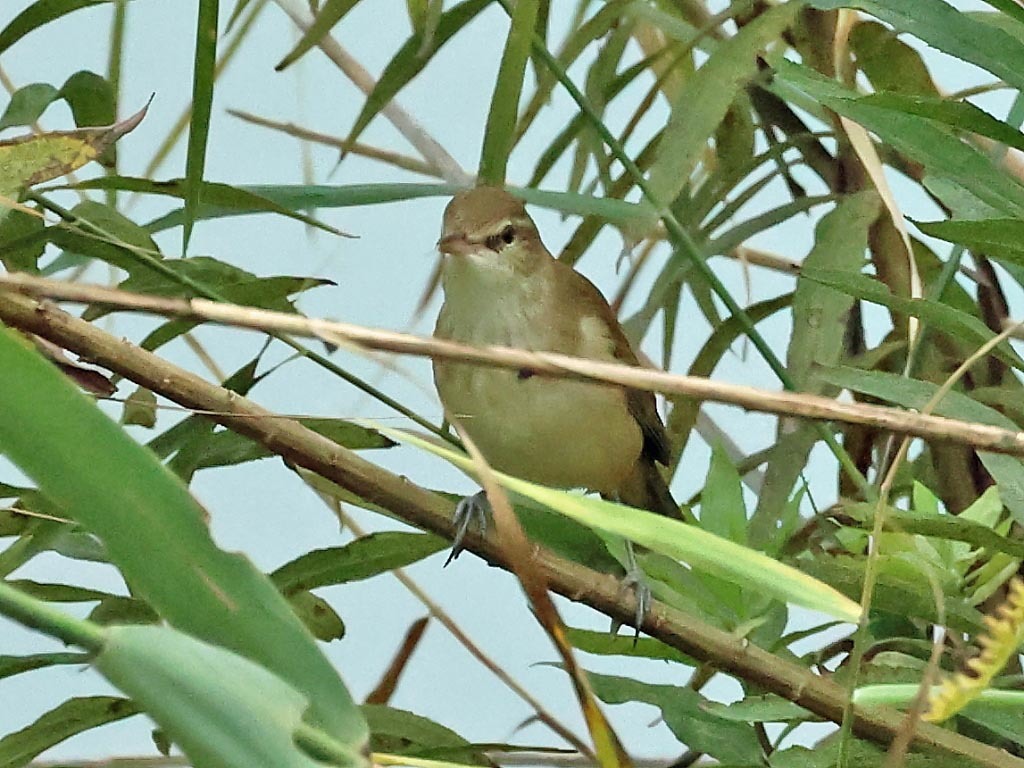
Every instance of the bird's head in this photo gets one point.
(491, 229)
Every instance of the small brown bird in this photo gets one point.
(503, 287)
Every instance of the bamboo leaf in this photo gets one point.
(185, 684)
(684, 714)
(924, 140)
(361, 559)
(330, 13)
(27, 104)
(1008, 471)
(957, 324)
(15, 665)
(215, 199)
(155, 532)
(298, 196)
(508, 87)
(203, 77)
(39, 14)
(29, 160)
(714, 87)
(944, 27)
(72, 717)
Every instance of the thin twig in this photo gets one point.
(396, 159)
(790, 404)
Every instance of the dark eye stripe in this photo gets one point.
(507, 236)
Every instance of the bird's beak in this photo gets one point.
(454, 244)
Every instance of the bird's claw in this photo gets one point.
(469, 508)
(634, 580)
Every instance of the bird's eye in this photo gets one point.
(507, 236)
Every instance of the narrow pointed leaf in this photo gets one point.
(330, 13)
(203, 76)
(155, 532)
(508, 87)
(39, 14)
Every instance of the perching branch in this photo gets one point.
(788, 404)
(426, 510)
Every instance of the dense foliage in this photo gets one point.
(691, 130)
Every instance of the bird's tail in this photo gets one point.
(645, 488)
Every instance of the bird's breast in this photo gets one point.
(552, 431)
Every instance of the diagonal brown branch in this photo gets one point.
(429, 511)
(789, 404)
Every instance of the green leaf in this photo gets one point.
(155, 532)
(16, 665)
(203, 76)
(215, 199)
(39, 14)
(402, 732)
(27, 104)
(21, 241)
(318, 616)
(207, 699)
(232, 283)
(361, 559)
(767, 708)
(704, 551)
(944, 27)
(902, 589)
(941, 317)
(330, 13)
(123, 243)
(72, 717)
(410, 61)
(500, 130)
(1003, 718)
(93, 102)
(714, 87)
(123, 610)
(299, 196)
(226, 448)
(140, 408)
(683, 712)
(601, 643)
(960, 115)
(890, 63)
(821, 314)
(91, 99)
(922, 139)
(1000, 239)
(1008, 471)
(57, 593)
(722, 509)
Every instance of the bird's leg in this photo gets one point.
(634, 579)
(469, 508)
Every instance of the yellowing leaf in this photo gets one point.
(29, 160)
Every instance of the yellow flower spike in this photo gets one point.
(1004, 634)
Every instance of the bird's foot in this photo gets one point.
(469, 508)
(636, 581)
